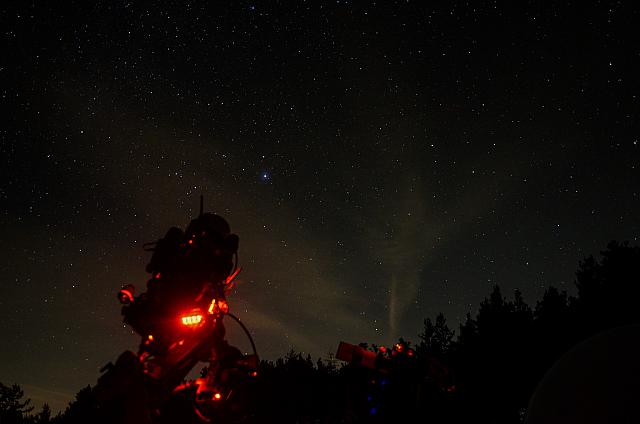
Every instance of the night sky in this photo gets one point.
(381, 162)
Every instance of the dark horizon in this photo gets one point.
(380, 163)
(509, 362)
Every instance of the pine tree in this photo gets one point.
(13, 409)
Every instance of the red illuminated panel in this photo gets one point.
(191, 320)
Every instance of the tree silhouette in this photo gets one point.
(13, 408)
(83, 409)
(436, 338)
(44, 416)
(609, 289)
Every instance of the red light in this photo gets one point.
(190, 241)
(382, 349)
(157, 276)
(150, 337)
(191, 320)
(125, 296)
(217, 396)
(223, 306)
(232, 276)
(218, 306)
(254, 374)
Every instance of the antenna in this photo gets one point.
(201, 205)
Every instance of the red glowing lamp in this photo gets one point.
(191, 320)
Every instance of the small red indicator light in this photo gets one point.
(217, 396)
(219, 306)
(223, 306)
(126, 295)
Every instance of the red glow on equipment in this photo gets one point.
(192, 320)
(127, 294)
(218, 306)
(232, 276)
(223, 306)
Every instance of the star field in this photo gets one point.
(381, 162)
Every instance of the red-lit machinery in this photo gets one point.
(180, 318)
(392, 383)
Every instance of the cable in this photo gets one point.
(253, 346)
(235, 266)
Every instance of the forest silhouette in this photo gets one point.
(486, 371)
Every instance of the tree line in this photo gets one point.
(485, 371)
